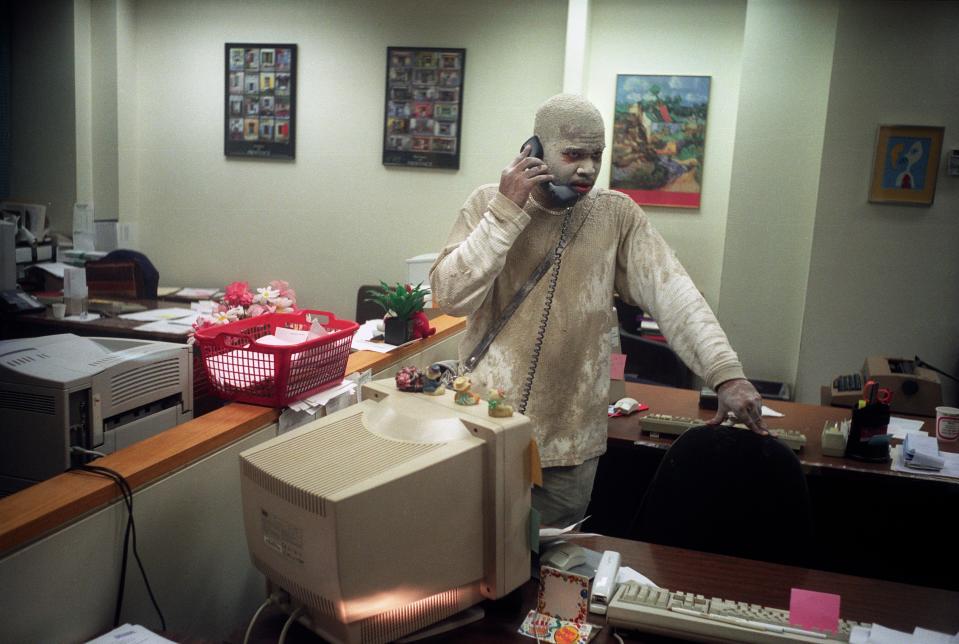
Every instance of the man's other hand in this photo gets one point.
(522, 175)
(741, 398)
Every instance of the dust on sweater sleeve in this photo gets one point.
(649, 275)
(475, 251)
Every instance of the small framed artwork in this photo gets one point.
(906, 164)
(424, 106)
(659, 138)
(260, 104)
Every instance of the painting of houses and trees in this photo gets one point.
(659, 134)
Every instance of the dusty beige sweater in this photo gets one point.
(494, 247)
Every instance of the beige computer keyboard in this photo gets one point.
(687, 616)
(676, 425)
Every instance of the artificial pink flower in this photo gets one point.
(238, 294)
(255, 310)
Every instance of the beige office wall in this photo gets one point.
(42, 120)
(335, 217)
(694, 38)
(883, 278)
(785, 83)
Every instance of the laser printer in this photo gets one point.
(99, 394)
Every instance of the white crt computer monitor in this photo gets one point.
(390, 515)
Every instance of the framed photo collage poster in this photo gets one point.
(424, 100)
(260, 110)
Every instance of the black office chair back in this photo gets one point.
(653, 362)
(367, 310)
(151, 276)
(729, 491)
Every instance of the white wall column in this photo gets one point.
(577, 42)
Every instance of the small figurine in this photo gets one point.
(421, 326)
(497, 408)
(433, 380)
(463, 395)
(409, 379)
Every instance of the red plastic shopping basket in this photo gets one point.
(240, 369)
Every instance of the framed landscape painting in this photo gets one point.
(659, 135)
(906, 164)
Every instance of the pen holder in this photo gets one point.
(868, 440)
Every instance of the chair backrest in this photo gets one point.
(151, 276)
(115, 279)
(654, 362)
(367, 310)
(729, 491)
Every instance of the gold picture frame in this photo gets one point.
(906, 164)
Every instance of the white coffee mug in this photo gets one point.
(59, 310)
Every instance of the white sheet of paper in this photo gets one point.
(54, 268)
(879, 634)
(626, 573)
(327, 395)
(949, 470)
(89, 317)
(165, 326)
(899, 427)
(151, 315)
(130, 634)
(199, 293)
(379, 347)
(768, 411)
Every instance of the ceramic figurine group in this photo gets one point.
(431, 383)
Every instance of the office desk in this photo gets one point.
(898, 606)
(866, 515)
(43, 323)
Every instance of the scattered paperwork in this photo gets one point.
(197, 293)
(362, 339)
(878, 634)
(151, 315)
(83, 317)
(769, 411)
(899, 427)
(950, 470)
(54, 268)
(546, 535)
(173, 327)
(130, 634)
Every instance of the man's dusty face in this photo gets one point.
(575, 158)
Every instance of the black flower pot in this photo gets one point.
(397, 331)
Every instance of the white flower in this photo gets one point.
(266, 295)
(283, 305)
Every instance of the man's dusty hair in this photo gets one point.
(566, 115)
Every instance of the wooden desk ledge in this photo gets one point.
(48, 505)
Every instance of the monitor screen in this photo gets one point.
(390, 515)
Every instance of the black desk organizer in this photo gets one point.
(868, 440)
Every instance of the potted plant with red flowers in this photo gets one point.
(400, 303)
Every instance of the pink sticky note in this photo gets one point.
(617, 366)
(811, 609)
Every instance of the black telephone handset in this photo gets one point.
(562, 195)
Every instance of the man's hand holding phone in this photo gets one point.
(523, 174)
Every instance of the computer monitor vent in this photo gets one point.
(388, 626)
(315, 465)
(315, 602)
